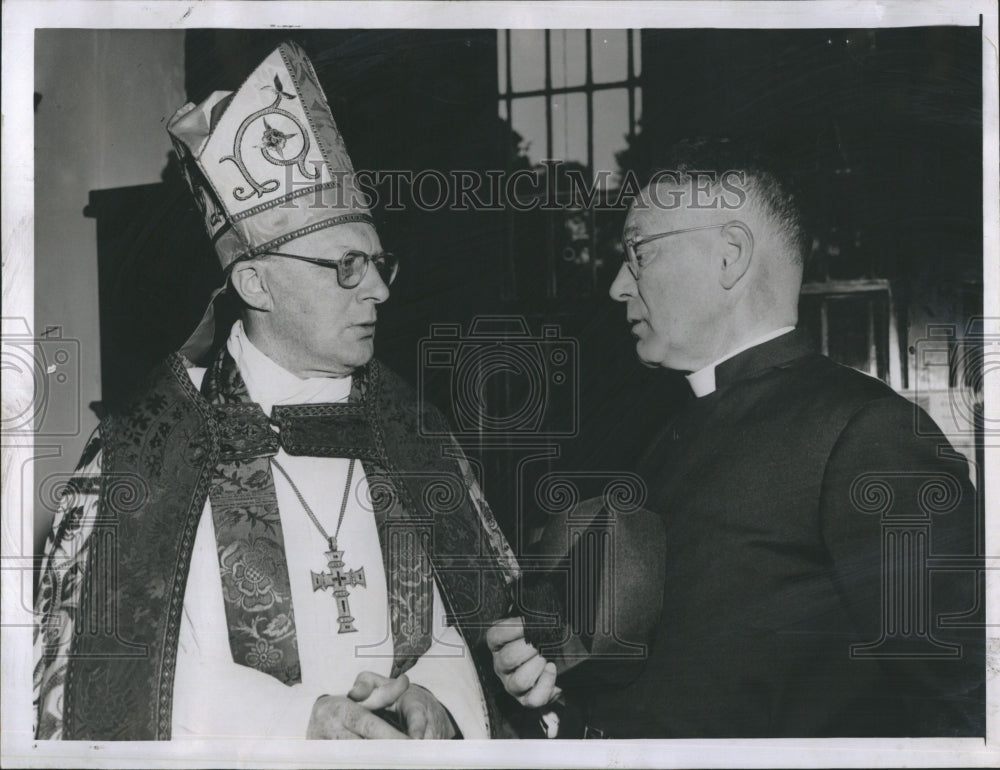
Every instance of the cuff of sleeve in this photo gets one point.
(286, 715)
(291, 716)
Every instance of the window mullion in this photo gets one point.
(548, 94)
(591, 213)
(550, 235)
(630, 77)
(511, 271)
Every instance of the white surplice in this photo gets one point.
(213, 696)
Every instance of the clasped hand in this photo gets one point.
(351, 716)
(525, 674)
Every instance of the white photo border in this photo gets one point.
(20, 20)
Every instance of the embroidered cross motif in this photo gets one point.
(273, 140)
(339, 579)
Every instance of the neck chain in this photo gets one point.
(343, 503)
(338, 578)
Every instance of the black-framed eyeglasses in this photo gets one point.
(352, 267)
(630, 244)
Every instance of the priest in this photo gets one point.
(822, 569)
(262, 543)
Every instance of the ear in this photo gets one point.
(249, 279)
(737, 253)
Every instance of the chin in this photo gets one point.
(648, 356)
(364, 353)
(343, 362)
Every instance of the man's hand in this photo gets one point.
(524, 672)
(424, 716)
(422, 713)
(340, 718)
(350, 717)
(374, 691)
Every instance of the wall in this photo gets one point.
(105, 99)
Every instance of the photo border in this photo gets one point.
(22, 18)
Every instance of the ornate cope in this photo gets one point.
(178, 441)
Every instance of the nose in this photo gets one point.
(373, 287)
(623, 286)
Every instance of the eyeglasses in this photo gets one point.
(352, 267)
(630, 245)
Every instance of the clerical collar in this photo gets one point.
(702, 382)
(268, 383)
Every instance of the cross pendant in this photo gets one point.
(339, 579)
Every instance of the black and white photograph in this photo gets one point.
(516, 375)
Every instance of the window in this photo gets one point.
(854, 323)
(571, 96)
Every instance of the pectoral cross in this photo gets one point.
(339, 579)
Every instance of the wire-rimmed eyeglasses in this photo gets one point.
(630, 244)
(352, 267)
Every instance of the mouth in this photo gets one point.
(367, 329)
(636, 324)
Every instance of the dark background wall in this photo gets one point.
(881, 128)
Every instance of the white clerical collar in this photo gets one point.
(269, 383)
(702, 382)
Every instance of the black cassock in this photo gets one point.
(822, 576)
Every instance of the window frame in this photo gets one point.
(508, 95)
(853, 288)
